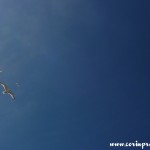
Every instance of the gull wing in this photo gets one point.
(4, 86)
(12, 95)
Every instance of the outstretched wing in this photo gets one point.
(4, 86)
(12, 95)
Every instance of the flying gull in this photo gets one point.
(7, 90)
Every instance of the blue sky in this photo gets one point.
(83, 69)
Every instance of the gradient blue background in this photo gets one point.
(84, 73)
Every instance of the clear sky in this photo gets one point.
(83, 70)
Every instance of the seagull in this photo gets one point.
(7, 90)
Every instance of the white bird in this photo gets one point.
(7, 90)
